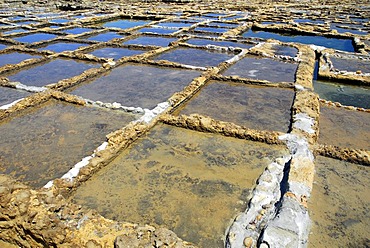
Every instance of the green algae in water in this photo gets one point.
(262, 108)
(344, 128)
(339, 205)
(46, 142)
(192, 183)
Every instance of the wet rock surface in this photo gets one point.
(252, 71)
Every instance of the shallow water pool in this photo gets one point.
(124, 24)
(115, 52)
(46, 142)
(15, 58)
(195, 57)
(260, 68)
(77, 30)
(51, 72)
(150, 41)
(339, 44)
(351, 65)
(136, 85)
(63, 46)
(9, 95)
(352, 128)
(105, 36)
(204, 42)
(346, 94)
(339, 204)
(35, 37)
(262, 108)
(192, 183)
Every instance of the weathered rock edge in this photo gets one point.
(42, 218)
(206, 124)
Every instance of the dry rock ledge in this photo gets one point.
(43, 218)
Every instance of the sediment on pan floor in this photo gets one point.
(209, 175)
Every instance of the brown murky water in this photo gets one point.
(137, 85)
(345, 128)
(260, 68)
(262, 108)
(339, 205)
(193, 183)
(45, 143)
